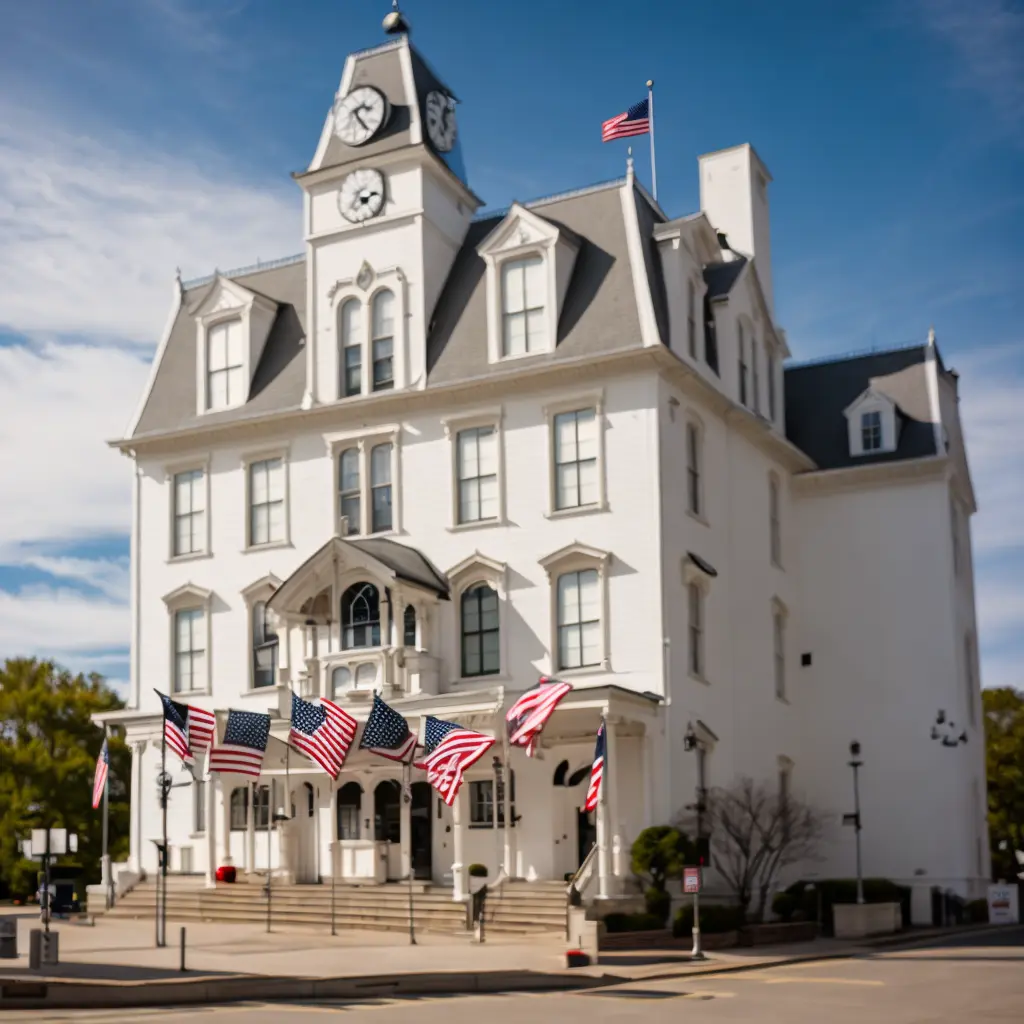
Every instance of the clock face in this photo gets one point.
(362, 195)
(441, 120)
(360, 115)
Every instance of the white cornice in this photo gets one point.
(824, 481)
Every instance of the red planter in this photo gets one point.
(226, 873)
(576, 958)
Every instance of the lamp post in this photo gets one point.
(405, 788)
(691, 742)
(855, 763)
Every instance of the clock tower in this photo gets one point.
(386, 207)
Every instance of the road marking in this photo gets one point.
(821, 981)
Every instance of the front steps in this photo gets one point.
(524, 908)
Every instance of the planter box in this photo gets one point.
(663, 939)
(859, 920)
(778, 932)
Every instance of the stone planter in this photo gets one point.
(859, 920)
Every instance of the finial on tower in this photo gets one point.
(931, 335)
(177, 280)
(395, 22)
(629, 160)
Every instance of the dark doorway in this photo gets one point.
(387, 822)
(349, 797)
(586, 832)
(420, 822)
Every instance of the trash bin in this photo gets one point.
(42, 948)
(8, 938)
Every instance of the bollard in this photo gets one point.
(182, 965)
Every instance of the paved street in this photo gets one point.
(977, 979)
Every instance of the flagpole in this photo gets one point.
(650, 116)
(105, 859)
(161, 920)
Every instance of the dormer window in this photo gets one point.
(871, 431)
(529, 263)
(522, 306)
(225, 366)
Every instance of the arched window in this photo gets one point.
(386, 815)
(383, 341)
(341, 680)
(349, 801)
(579, 775)
(350, 492)
(409, 626)
(360, 616)
(264, 647)
(261, 808)
(480, 631)
(239, 808)
(351, 348)
(560, 773)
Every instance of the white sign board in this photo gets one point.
(1003, 907)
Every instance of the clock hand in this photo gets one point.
(355, 114)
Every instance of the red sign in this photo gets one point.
(692, 881)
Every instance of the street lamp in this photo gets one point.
(692, 743)
(945, 731)
(855, 763)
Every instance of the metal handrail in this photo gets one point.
(574, 889)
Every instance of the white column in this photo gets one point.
(458, 837)
(210, 792)
(138, 748)
(333, 844)
(225, 786)
(611, 779)
(250, 828)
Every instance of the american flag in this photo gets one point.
(387, 733)
(527, 716)
(597, 770)
(245, 742)
(187, 729)
(322, 732)
(435, 730)
(453, 752)
(635, 121)
(99, 780)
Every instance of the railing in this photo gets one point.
(577, 884)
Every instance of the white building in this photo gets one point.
(438, 455)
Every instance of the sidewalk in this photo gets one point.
(115, 964)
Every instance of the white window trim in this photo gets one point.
(577, 557)
(171, 470)
(693, 574)
(495, 304)
(262, 590)
(780, 611)
(247, 461)
(871, 401)
(691, 419)
(478, 568)
(467, 421)
(187, 598)
(571, 403)
(365, 441)
(393, 280)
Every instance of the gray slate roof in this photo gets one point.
(279, 378)
(599, 313)
(720, 277)
(407, 563)
(817, 394)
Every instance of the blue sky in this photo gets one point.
(137, 136)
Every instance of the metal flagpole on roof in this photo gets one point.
(650, 118)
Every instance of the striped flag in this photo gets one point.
(527, 716)
(597, 770)
(188, 730)
(322, 734)
(245, 742)
(99, 780)
(456, 750)
(635, 121)
(387, 733)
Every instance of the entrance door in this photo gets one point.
(420, 824)
(586, 833)
(304, 824)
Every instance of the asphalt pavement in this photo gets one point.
(965, 978)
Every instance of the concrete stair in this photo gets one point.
(517, 908)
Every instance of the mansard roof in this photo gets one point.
(817, 395)
(720, 277)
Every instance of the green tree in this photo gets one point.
(658, 853)
(48, 751)
(1004, 764)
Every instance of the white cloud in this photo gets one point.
(92, 228)
(60, 623)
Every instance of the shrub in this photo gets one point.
(633, 923)
(785, 905)
(659, 905)
(714, 919)
(660, 851)
(977, 911)
(477, 870)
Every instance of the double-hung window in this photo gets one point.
(774, 522)
(693, 469)
(523, 289)
(383, 341)
(477, 461)
(380, 488)
(189, 650)
(480, 631)
(225, 365)
(695, 600)
(779, 645)
(579, 619)
(189, 512)
(871, 431)
(266, 502)
(576, 449)
(350, 497)
(351, 349)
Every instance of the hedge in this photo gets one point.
(714, 918)
(633, 923)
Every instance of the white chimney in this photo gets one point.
(734, 195)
